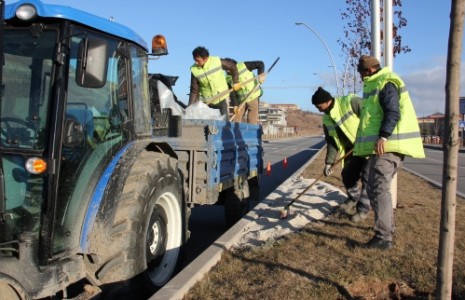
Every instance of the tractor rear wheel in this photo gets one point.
(11, 290)
(148, 227)
(236, 203)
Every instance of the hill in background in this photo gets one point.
(307, 123)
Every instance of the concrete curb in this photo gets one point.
(440, 147)
(179, 285)
(434, 183)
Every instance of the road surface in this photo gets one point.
(431, 168)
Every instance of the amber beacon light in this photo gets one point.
(159, 46)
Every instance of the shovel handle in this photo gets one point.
(318, 178)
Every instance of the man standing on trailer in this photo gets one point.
(246, 99)
(208, 81)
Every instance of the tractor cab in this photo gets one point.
(66, 109)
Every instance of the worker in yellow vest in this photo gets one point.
(208, 80)
(246, 99)
(388, 132)
(340, 123)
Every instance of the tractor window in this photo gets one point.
(140, 91)
(28, 65)
(101, 113)
(26, 78)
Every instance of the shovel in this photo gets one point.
(285, 211)
(226, 92)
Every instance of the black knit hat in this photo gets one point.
(321, 96)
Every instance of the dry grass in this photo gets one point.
(323, 261)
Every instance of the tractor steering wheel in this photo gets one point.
(12, 135)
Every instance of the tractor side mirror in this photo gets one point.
(92, 63)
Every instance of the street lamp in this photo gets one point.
(327, 49)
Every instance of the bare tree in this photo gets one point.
(357, 37)
(451, 148)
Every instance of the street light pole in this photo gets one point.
(327, 49)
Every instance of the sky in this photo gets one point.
(265, 30)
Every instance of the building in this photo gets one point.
(271, 115)
(432, 125)
(286, 107)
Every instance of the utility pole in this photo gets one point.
(389, 62)
(388, 54)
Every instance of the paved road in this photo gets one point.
(297, 151)
(431, 168)
(207, 221)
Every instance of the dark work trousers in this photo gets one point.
(379, 171)
(251, 108)
(351, 175)
(223, 106)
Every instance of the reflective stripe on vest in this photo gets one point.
(244, 91)
(211, 79)
(405, 138)
(342, 116)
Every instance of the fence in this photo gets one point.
(432, 139)
(271, 131)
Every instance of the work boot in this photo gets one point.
(377, 243)
(348, 207)
(359, 216)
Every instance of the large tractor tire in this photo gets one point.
(148, 226)
(236, 203)
(11, 292)
(254, 188)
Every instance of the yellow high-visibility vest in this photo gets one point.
(342, 116)
(246, 89)
(211, 79)
(405, 138)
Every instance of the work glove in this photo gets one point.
(327, 170)
(237, 86)
(261, 78)
(235, 109)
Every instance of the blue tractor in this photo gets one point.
(94, 198)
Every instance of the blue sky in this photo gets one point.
(264, 30)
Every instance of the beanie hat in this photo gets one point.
(321, 96)
(367, 61)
